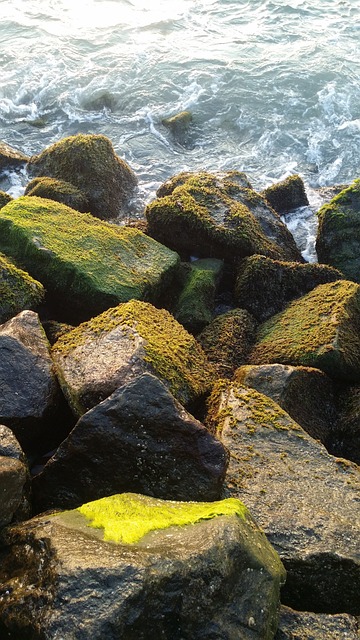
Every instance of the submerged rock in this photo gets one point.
(179, 125)
(265, 286)
(85, 264)
(58, 190)
(89, 163)
(122, 343)
(140, 439)
(18, 290)
(305, 500)
(203, 570)
(321, 330)
(287, 195)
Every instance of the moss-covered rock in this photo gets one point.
(200, 218)
(85, 264)
(287, 195)
(227, 341)
(123, 342)
(58, 190)
(231, 182)
(4, 198)
(195, 304)
(90, 164)
(338, 237)
(265, 286)
(321, 330)
(179, 125)
(18, 290)
(10, 158)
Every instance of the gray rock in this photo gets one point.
(10, 158)
(14, 479)
(305, 500)
(140, 439)
(216, 579)
(303, 625)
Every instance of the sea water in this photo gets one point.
(272, 85)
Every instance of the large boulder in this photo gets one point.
(90, 164)
(14, 479)
(18, 290)
(321, 330)
(305, 500)
(85, 264)
(304, 625)
(265, 286)
(227, 341)
(109, 350)
(58, 190)
(230, 182)
(338, 237)
(139, 439)
(30, 396)
(307, 394)
(200, 218)
(287, 195)
(149, 569)
(10, 158)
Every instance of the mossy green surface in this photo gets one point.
(194, 307)
(58, 190)
(172, 352)
(4, 198)
(286, 195)
(321, 330)
(18, 290)
(84, 263)
(126, 518)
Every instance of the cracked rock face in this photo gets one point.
(305, 500)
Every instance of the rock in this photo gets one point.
(214, 576)
(4, 199)
(14, 479)
(195, 304)
(302, 625)
(30, 395)
(179, 125)
(133, 338)
(139, 439)
(264, 286)
(227, 341)
(304, 499)
(347, 437)
(321, 330)
(18, 290)
(287, 195)
(231, 182)
(306, 394)
(200, 218)
(10, 158)
(85, 264)
(58, 190)
(90, 164)
(338, 237)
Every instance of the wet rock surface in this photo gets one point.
(296, 625)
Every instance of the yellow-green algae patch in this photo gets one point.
(128, 517)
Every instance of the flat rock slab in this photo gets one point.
(321, 330)
(139, 439)
(306, 501)
(302, 625)
(86, 265)
(215, 576)
(111, 349)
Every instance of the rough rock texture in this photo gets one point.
(30, 394)
(139, 439)
(90, 164)
(305, 500)
(10, 157)
(198, 282)
(264, 286)
(203, 218)
(338, 237)
(231, 182)
(306, 394)
(217, 578)
(227, 341)
(15, 486)
(347, 439)
(18, 290)
(287, 195)
(120, 344)
(4, 199)
(303, 625)
(85, 264)
(321, 330)
(58, 190)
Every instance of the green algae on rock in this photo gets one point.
(126, 518)
(100, 355)
(18, 290)
(287, 195)
(338, 237)
(321, 330)
(89, 162)
(4, 198)
(58, 190)
(86, 265)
